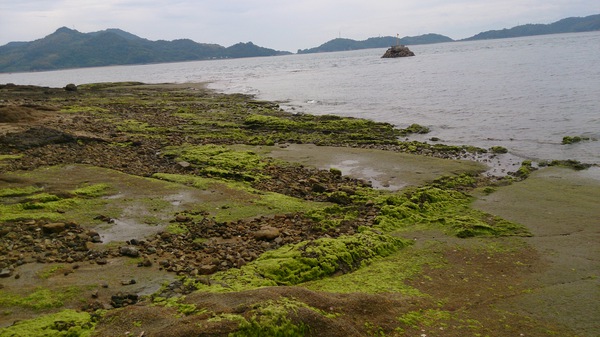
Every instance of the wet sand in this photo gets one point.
(561, 208)
(385, 170)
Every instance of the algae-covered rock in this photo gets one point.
(64, 323)
(308, 261)
(449, 210)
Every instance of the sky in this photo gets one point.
(279, 24)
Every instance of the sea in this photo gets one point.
(524, 94)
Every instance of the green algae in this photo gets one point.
(48, 272)
(19, 191)
(244, 201)
(82, 109)
(332, 216)
(392, 272)
(221, 161)
(188, 180)
(271, 318)
(424, 318)
(40, 298)
(573, 139)
(66, 323)
(177, 302)
(431, 207)
(463, 181)
(570, 163)
(524, 170)
(414, 128)
(307, 261)
(93, 190)
(9, 157)
(498, 149)
(138, 127)
(48, 206)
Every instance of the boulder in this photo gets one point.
(398, 51)
(266, 233)
(129, 251)
(56, 227)
(71, 87)
(5, 273)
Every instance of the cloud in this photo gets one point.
(279, 24)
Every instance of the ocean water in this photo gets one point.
(525, 94)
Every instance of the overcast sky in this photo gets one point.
(279, 24)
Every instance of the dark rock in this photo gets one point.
(398, 51)
(129, 251)
(71, 87)
(128, 282)
(120, 300)
(145, 263)
(101, 261)
(5, 273)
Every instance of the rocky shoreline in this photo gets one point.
(216, 215)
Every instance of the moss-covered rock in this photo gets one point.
(307, 261)
(67, 323)
(449, 210)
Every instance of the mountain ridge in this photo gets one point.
(68, 48)
(566, 25)
(341, 44)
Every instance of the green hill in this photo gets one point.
(568, 25)
(67, 48)
(374, 42)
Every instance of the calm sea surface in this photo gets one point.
(525, 94)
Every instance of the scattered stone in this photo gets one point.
(101, 261)
(5, 273)
(120, 300)
(184, 164)
(128, 282)
(129, 251)
(145, 263)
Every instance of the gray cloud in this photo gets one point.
(279, 24)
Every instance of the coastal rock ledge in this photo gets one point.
(398, 51)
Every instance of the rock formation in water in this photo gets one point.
(398, 51)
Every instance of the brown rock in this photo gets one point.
(182, 218)
(56, 227)
(266, 233)
(207, 269)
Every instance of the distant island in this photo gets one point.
(68, 48)
(340, 44)
(569, 25)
